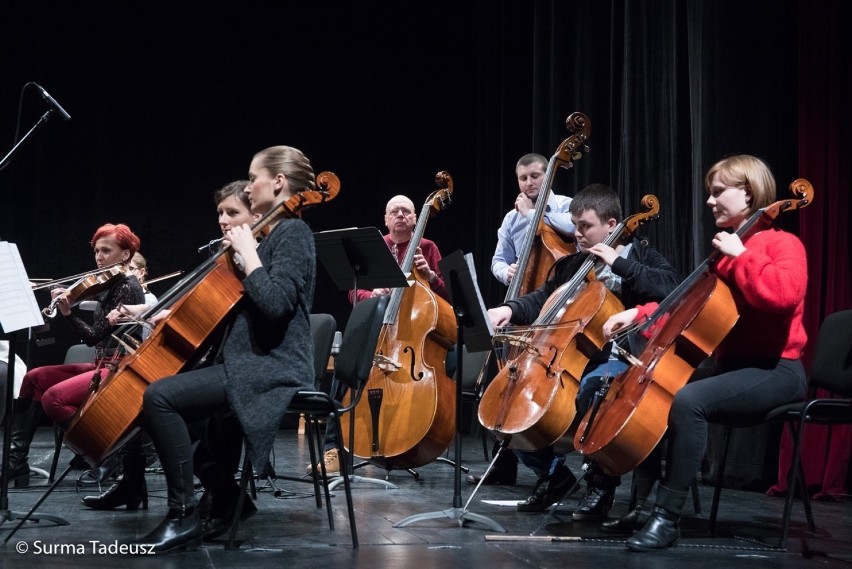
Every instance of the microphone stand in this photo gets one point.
(41, 122)
(5, 513)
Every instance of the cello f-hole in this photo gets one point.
(550, 372)
(415, 377)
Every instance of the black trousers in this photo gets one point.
(741, 394)
(173, 408)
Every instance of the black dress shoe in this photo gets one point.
(547, 492)
(630, 522)
(219, 523)
(594, 506)
(660, 531)
(180, 531)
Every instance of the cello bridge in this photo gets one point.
(386, 364)
(519, 342)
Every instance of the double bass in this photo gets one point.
(406, 417)
(198, 304)
(531, 401)
(542, 245)
(686, 328)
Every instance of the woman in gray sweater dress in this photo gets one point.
(266, 357)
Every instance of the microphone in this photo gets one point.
(52, 102)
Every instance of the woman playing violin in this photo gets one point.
(757, 364)
(266, 357)
(59, 390)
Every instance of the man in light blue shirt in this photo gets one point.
(530, 171)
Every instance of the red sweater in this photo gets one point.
(768, 282)
(432, 256)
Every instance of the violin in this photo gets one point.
(407, 418)
(198, 305)
(87, 286)
(530, 402)
(623, 427)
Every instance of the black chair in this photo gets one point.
(351, 369)
(831, 371)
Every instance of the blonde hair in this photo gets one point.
(749, 172)
(140, 262)
(292, 163)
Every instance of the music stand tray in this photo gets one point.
(358, 257)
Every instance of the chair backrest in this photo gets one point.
(355, 360)
(80, 354)
(471, 366)
(831, 368)
(323, 327)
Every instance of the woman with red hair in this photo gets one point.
(58, 390)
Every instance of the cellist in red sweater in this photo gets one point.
(757, 364)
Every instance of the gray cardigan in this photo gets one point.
(268, 352)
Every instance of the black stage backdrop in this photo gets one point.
(169, 101)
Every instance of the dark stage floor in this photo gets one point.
(289, 530)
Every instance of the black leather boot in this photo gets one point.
(631, 521)
(25, 420)
(549, 491)
(130, 491)
(661, 530)
(179, 531)
(223, 509)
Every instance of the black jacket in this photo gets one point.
(646, 276)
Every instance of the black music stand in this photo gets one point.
(471, 319)
(355, 257)
(18, 309)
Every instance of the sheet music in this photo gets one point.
(18, 307)
(469, 260)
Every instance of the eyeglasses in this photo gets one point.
(399, 210)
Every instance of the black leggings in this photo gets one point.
(740, 395)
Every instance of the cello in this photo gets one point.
(531, 401)
(408, 417)
(198, 304)
(543, 246)
(622, 429)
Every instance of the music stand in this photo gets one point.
(18, 310)
(353, 257)
(472, 319)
